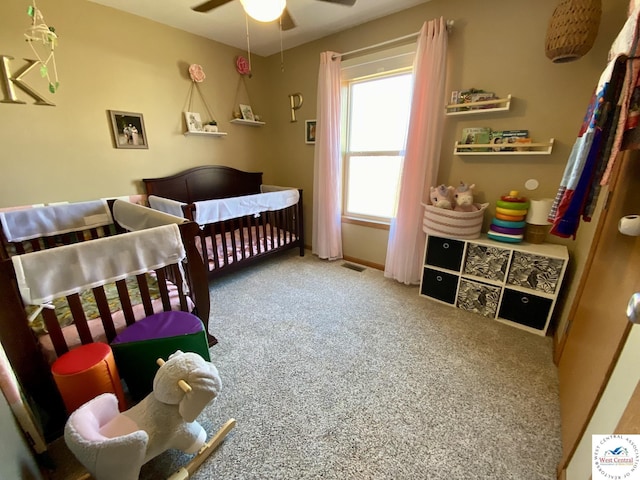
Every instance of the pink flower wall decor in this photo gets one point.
(242, 66)
(196, 73)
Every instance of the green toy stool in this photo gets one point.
(137, 348)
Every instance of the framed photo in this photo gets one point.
(194, 122)
(309, 131)
(128, 130)
(247, 113)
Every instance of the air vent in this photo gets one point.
(354, 267)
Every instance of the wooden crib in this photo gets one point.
(30, 354)
(232, 243)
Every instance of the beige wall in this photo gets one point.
(497, 46)
(108, 60)
(112, 60)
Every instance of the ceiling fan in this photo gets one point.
(286, 19)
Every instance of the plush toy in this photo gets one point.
(114, 446)
(463, 197)
(441, 196)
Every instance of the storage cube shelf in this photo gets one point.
(516, 284)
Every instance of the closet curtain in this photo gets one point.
(406, 238)
(327, 162)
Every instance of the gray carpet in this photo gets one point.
(337, 374)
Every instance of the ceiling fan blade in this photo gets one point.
(349, 3)
(287, 20)
(210, 5)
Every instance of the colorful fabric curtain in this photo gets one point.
(406, 238)
(327, 162)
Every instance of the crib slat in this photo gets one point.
(269, 228)
(176, 277)
(230, 224)
(250, 235)
(79, 318)
(202, 241)
(55, 332)
(287, 226)
(35, 245)
(278, 223)
(105, 312)
(263, 224)
(125, 301)
(164, 292)
(243, 241)
(50, 242)
(144, 294)
(223, 237)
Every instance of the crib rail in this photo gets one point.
(231, 244)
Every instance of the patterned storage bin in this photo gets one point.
(536, 272)
(479, 298)
(486, 262)
(452, 224)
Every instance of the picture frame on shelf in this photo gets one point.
(310, 131)
(128, 130)
(247, 112)
(193, 121)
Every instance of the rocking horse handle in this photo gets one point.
(186, 388)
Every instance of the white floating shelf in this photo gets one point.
(206, 134)
(241, 121)
(500, 105)
(489, 149)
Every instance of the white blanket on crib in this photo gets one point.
(136, 217)
(57, 272)
(166, 205)
(209, 211)
(19, 225)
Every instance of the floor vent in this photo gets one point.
(352, 266)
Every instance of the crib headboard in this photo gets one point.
(204, 183)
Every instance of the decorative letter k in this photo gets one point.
(8, 82)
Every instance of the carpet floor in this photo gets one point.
(337, 374)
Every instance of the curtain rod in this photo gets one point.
(449, 27)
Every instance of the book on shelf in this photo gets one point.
(509, 140)
(471, 96)
(475, 135)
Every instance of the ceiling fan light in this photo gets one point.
(264, 10)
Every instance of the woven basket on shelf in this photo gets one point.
(572, 29)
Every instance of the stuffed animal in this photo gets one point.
(463, 197)
(114, 446)
(441, 196)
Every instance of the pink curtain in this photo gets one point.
(327, 227)
(406, 238)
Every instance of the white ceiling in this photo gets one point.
(226, 24)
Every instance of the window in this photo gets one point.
(377, 116)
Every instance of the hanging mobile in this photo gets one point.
(39, 31)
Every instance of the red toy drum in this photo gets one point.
(86, 372)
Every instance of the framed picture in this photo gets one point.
(309, 131)
(128, 130)
(247, 113)
(194, 123)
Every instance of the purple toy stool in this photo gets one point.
(137, 348)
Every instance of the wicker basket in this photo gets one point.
(453, 224)
(572, 29)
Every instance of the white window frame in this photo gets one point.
(395, 61)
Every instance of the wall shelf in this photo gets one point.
(502, 105)
(491, 149)
(242, 121)
(206, 134)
